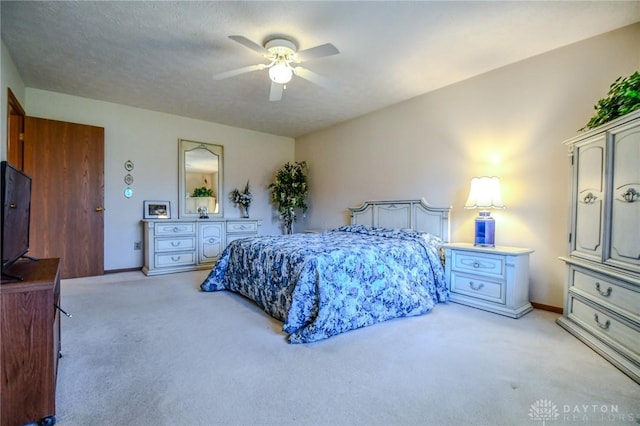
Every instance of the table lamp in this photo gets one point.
(485, 195)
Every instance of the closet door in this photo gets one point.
(589, 175)
(624, 246)
(66, 163)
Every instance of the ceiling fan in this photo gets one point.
(283, 57)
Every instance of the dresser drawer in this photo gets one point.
(600, 323)
(478, 287)
(242, 227)
(175, 259)
(175, 244)
(478, 263)
(605, 290)
(175, 228)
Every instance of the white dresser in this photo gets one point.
(189, 244)
(602, 298)
(495, 279)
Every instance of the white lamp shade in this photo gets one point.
(484, 194)
(280, 73)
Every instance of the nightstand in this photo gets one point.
(495, 279)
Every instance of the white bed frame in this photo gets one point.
(404, 214)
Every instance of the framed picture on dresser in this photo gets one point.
(157, 209)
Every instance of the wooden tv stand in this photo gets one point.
(30, 347)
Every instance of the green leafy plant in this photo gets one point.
(623, 98)
(289, 191)
(203, 191)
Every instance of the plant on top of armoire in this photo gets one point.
(623, 97)
(289, 191)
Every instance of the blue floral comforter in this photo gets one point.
(321, 285)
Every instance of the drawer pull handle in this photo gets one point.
(474, 287)
(604, 326)
(175, 243)
(631, 195)
(175, 258)
(176, 229)
(603, 293)
(476, 265)
(212, 240)
(589, 198)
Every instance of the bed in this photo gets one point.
(386, 264)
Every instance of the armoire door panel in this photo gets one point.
(625, 209)
(590, 198)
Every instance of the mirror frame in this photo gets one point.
(185, 146)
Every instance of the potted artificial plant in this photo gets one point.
(289, 191)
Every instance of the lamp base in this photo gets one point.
(485, 230)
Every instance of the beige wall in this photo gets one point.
(509, 122)
(150, 140)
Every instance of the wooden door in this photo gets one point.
(15, 131)
(66, 163)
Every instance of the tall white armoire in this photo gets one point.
(602, 299)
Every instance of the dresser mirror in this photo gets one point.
(201, 179)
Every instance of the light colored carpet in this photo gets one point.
(157, 351)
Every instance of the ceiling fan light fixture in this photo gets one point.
(280, 73)
(282, 55)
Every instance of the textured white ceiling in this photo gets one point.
(162, 55)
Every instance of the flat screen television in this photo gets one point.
(16, 213)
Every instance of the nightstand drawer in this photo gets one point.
(477, 287)
(478, 263)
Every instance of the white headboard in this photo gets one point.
(404, 214)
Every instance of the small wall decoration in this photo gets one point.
(128, 179)
(157, 209)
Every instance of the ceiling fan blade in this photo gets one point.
(250, 44)
(275, 94)
(314, 78)
(238, 71)
(316, 52)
